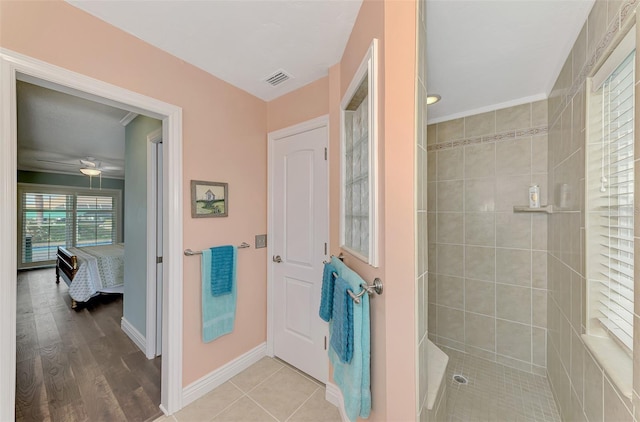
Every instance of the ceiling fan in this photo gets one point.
(90, 167)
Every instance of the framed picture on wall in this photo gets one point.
(209, 199)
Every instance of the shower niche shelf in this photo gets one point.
(546, 209)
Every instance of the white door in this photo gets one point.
(299, 198)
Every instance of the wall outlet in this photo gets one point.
(261, 241)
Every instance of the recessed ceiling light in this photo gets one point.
(432, 99)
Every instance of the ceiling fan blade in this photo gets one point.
(62, 163)
(88, 163)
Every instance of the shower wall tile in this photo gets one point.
(480, 161)
(513, 266)
(615, 408)
(539, 347)
(450, 260)
(432, 165)
(450, 227)
(450, 196)
(489, 297)
(432, 195)
(479, 195)
(513, 303)
(480, 331)
(539, 157)
(513, 118)
(479, 263)
(479, 229)
(512, 190)
(513, 230)
(432, 134)
(513, 340)
(539, 270)
(480, 125)
(450, 291)
(593, 389)
(451, 130)
(451, 323)
(539, 307)
(539, 111)
(449, 164)
(480, 296)
(513, 157)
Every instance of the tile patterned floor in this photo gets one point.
(496, 393)
(270, 390)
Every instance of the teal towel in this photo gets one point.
(326, 297)
(342, 334)
(223, 269)
(218, 312)
(354, 378)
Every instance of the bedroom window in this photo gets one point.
(610, 199)
(56, 216)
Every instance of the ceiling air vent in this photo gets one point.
(277, 78)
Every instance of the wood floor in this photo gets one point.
(78, 365)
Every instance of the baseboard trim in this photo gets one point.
(334, 396)
(214, 379)
(135, 335)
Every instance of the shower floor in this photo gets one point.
(496, 393)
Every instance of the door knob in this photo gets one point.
(277, 259)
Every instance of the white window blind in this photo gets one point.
(613, 224)
(52, 217)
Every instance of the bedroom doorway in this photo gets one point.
(15, 67)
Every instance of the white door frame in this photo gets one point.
(322, 121)
(14, 65)
(153, 141)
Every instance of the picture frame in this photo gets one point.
(209, 199)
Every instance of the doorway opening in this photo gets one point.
(15, 67)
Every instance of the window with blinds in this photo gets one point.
(50, 217)
(610, 205)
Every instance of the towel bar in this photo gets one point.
(376, 287)
(189, 252)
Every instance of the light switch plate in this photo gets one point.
(261, 241)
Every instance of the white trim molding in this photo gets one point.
(207, 383)
(154, 140)
(15, 65)
(135, 335)
(334, 396)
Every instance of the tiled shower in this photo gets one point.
(488, 280)
(506, 290)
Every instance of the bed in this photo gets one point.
(90, 271)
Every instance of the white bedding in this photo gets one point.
(100, 270)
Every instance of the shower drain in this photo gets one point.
(460, 379)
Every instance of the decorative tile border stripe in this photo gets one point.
(503, 136)
(603, 46)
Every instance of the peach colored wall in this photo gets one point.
(393, 368)
(219, 121)
(399, 202)
(369, 25)
(303, 104)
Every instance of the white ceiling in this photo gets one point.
(56, 130)
(241, 42)
(481, 55)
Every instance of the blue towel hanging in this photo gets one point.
(342, 333)
(222, 269)
(354, 378)
(326, 298)
(218, 312)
